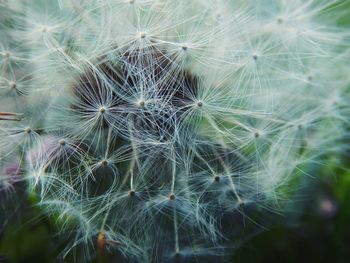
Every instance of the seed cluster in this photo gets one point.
(167, 131)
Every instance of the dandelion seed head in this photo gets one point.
(190, 118)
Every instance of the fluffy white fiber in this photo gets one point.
(152, 128)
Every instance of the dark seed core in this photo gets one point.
(131, 193)
(150, 72)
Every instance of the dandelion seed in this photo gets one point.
(142, 35)
(101, 242)
(141, 104)
(5, 54)
(217, 178)
(131, 193)
(13, 85)
(102, 110)
(42, 29)
(62, 142)
(104, 162)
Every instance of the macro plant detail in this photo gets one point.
(157, 130)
